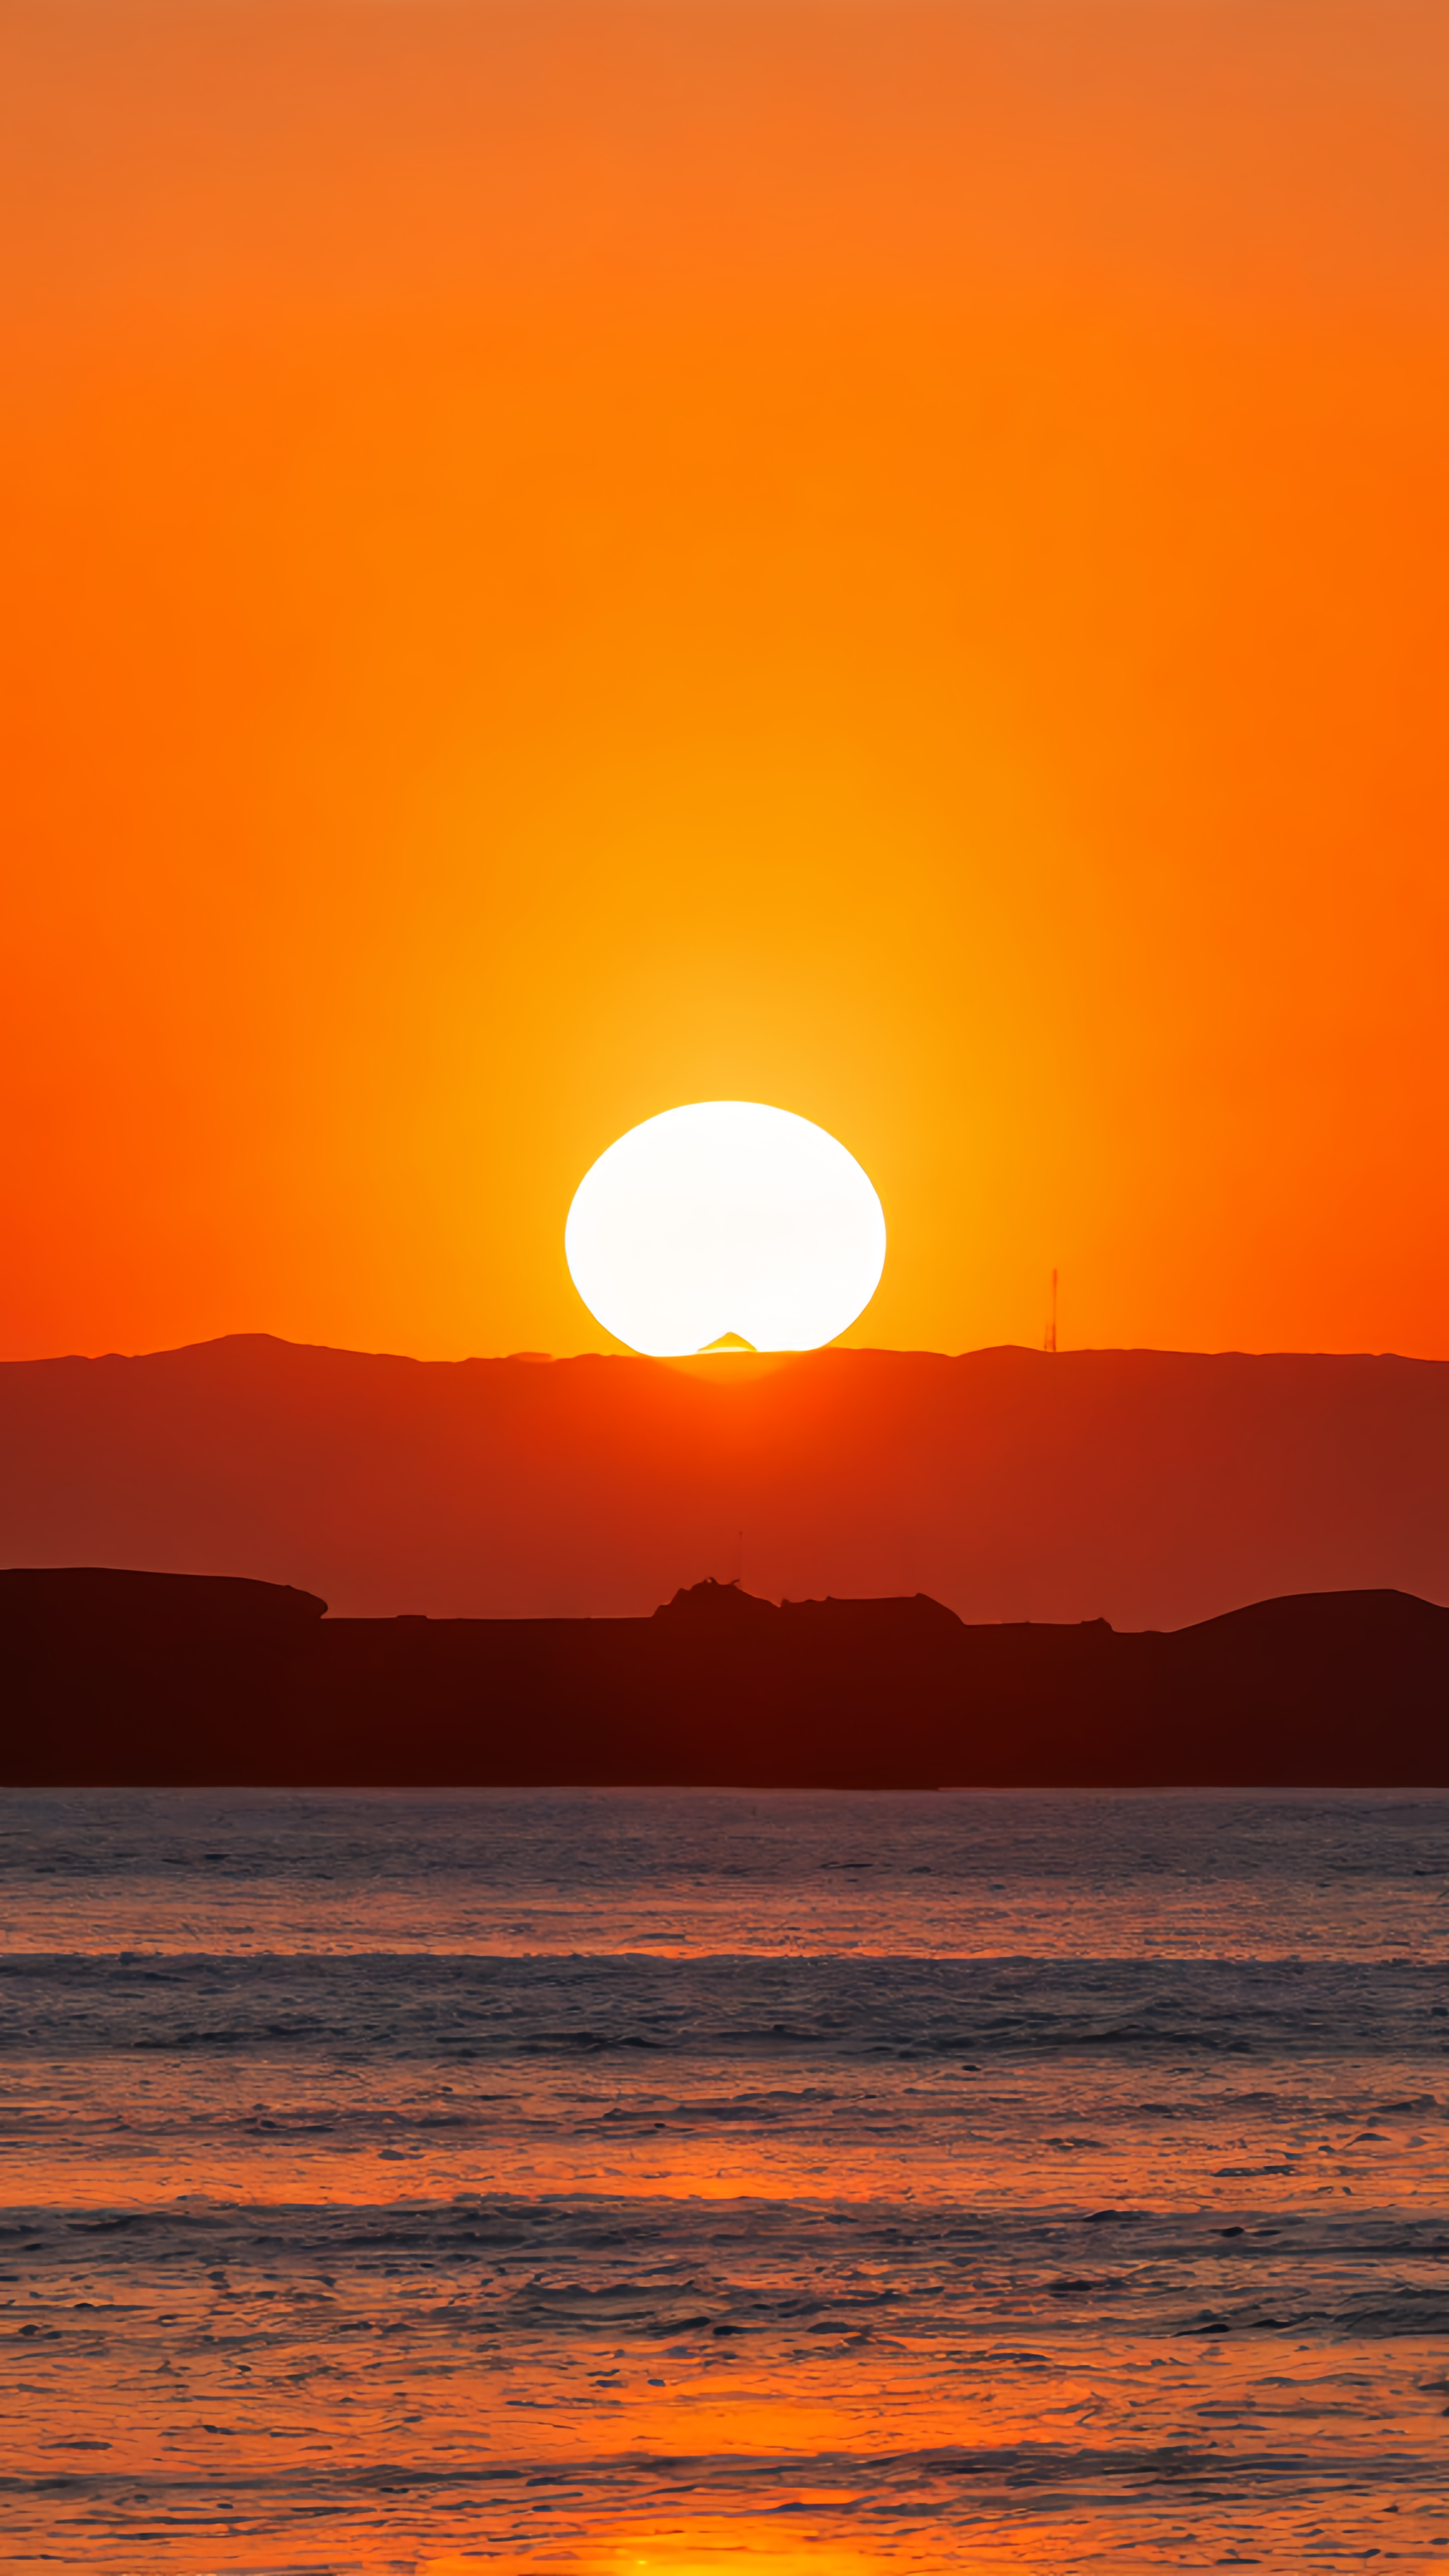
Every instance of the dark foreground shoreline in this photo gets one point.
(111, 1678)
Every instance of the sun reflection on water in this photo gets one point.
(718, 2546)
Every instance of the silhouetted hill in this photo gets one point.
(117, 1678)
(91, 1607)
(1152, 1488)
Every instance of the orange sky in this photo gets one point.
(560, 559)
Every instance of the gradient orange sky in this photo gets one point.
(885, 558)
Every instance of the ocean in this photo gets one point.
(719, 2184)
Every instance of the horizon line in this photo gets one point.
(751, 1366)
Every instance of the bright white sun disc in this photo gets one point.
(725, 1217)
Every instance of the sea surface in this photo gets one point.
(723, 2185)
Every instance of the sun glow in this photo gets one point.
(729, 1223)
(714, 2546)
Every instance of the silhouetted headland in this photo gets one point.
(111, 1677)
(1153, 1487)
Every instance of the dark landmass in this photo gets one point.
(1150, 1487)
(115, 1678)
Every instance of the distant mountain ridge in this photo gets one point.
(1152, 1488)
(112, 1678)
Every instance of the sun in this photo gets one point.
(725, 1223)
